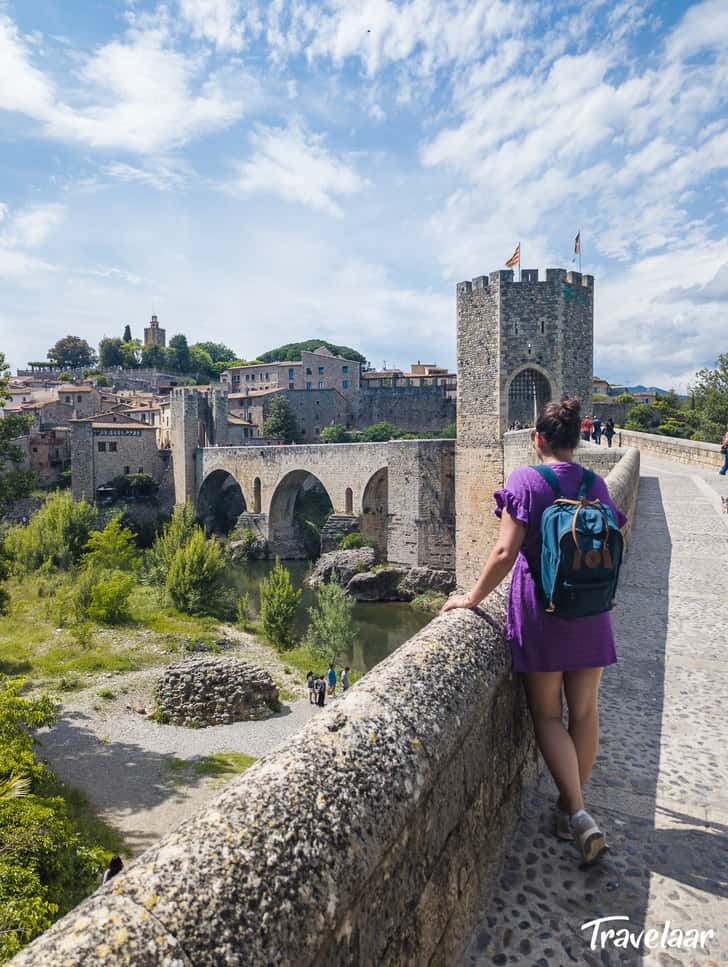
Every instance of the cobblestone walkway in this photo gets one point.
(660, 784)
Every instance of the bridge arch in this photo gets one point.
(220, 502)
(298, 509)
(528, 390)
(375, 509)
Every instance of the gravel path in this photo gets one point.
(123, 760)
(660, 783)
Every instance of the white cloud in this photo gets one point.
(295, 164)
(163, 174)
(376, 113)
(215, 20)
(31, 227)
(139, 93)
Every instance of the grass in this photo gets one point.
(428, 601)
(35, 644)
(216, 769)
(107, 693)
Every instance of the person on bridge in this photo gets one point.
(724, 451)
(609, 430)
(586, 429)
(553, 653)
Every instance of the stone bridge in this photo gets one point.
(400, 493)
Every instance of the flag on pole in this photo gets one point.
(577, 244)
(515, 259)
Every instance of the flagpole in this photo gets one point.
(520, 255)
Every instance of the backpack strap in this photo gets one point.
(550, 477)
(587, 481)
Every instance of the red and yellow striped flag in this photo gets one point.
(515, 259)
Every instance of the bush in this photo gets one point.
(134, 485)
(337, 433)
(174, 535)
(196, 579)
(353, 541)
(55, 537)
(109, 599)
(449, 432)
(331, 630)
(46, 864)
(113, 548)
(380, 433)
(644, 418)
(278, 604)
(248, 543)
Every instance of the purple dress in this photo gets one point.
(541, 642)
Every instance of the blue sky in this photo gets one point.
(256, 173)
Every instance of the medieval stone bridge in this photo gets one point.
(400, 493)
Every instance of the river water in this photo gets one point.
(380, 627)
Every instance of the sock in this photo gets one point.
(579, 812)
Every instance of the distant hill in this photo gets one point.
(291, 353)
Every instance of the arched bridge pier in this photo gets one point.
(400, 493)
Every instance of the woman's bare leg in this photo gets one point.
(556, 744)
(582, 697)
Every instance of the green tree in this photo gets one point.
(335, 434)
(56, 535)
(449, 432)
(281, 423)
(217, 351)
(110, 353)
(710, 401)
(201, 364)
(196, 580)
(179, 353)
(644, 418)
(72, 352)
(113, 548)
(174, 535)
(291, 352)
(154, 357)
(278, 604)
(380, 433)
(127, 333)
(131, 354)
(626, 399)
(15, 480)
(331, 631)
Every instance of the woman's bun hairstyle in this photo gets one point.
(560, 424)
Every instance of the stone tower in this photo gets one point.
(520, 344)
(153, 335)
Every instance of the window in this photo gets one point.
(321, 384)
(321, 371)
(102, 448)
(345, 384)
(303, 431)
(290, 386)
(252, 376)
(543, 327)
(35, 449)
(79, 398)
(68, 399)
(344, 369)
(112, 447)
(317, 430)
(247, 377)
(318, 402)
(141, 469)
(126, 470)
(291, 373)
(308, 371)
(308, 385)
(236, 378)
(267, 376)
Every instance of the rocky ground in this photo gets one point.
(128, 764)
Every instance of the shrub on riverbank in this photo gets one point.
(331, 629)
(55, 537)
(196, 580)
(278, 604)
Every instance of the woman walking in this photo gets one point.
(552, 653)
(724, 451)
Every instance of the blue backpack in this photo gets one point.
(581, 552)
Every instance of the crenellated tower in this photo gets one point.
(520, 344)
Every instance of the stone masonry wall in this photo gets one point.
(671, 448)
(416, 409)
(409, 860)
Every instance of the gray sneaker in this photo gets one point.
(588, 837)
(562, 824)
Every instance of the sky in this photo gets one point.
(261, 172)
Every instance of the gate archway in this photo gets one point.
(298, 510)
(528, 393)
(375, 509)
(220, 502)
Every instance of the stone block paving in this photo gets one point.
(660, 783)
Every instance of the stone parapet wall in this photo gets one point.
(672, 448)
(519, 451)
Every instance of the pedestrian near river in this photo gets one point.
(724, 451)
(552, 653)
